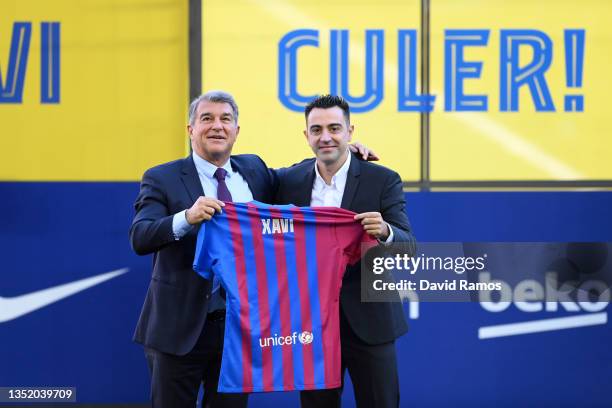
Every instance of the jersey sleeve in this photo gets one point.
(203, 262)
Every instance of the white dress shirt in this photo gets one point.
(236, 184)
(330, 195)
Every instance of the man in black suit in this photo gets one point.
(335, 178)
(182, 321)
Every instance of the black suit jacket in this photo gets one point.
(176, 303)
(369, 187)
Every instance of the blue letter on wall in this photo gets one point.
(408, 100)
(513, 76)
(457, 69)
(11, 88)
(287, 67)
(50, 63)
(374, 64)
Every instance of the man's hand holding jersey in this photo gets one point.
(374, 225)
(203, 210)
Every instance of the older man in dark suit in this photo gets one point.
(335, 178)
(182, 321)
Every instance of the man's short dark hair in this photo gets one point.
(329, 101)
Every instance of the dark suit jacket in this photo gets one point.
(369, 187)
(176, 304)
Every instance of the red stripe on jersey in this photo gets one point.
(329, 294)
(245, 323)
(285, 306)
(305, 306)
(262, 294)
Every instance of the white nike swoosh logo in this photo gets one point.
(12, 308)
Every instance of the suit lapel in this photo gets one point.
(248, 173)
(304, 195)
(352, 183)
(191, 180)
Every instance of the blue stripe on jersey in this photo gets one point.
(231, 363)
(273, 303)
(294, 296)
(313, 289)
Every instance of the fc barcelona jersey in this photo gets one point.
(282, 268)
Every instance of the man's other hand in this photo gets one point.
(364, 152)
(374, 224)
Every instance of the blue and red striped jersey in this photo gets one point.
(282, 268)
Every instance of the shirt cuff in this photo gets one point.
(180, 226)
(389, 239)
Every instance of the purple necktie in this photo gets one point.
(223, 192)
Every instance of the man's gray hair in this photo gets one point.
(215, 97)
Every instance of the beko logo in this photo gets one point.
(530, 296)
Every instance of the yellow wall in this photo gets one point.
(240, 47)
(526, 144)
(124, 87)
(124, 91)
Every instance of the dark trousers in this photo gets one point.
(373, 371)
(175, 380)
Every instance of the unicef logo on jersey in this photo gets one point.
(304, 338)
